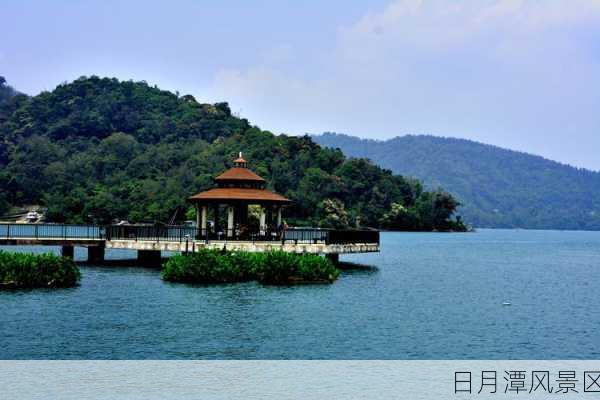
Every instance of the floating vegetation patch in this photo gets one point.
(274, 268)
(24, 271)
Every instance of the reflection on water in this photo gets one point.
(356, 268)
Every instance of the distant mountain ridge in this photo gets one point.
(498, 187)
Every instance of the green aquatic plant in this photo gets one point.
(279, 267)
(248, 262)
(24, 270)
(276, 267)
(206, 266)
(312, 267)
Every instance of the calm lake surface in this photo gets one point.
(428, 296)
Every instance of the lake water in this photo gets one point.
(428, 296)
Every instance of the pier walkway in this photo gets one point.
(149, 240)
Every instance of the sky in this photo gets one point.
(521, 74)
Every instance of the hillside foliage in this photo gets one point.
(6, 91)
(100, 149)
(497, 188)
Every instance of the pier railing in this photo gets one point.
(344, 236)
(51, 231)
(170, 233)
(179, 233)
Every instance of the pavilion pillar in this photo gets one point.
(230, 221)
(203, 221)
(279, 216)
(263, 223)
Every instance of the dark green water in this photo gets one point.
(430, 296)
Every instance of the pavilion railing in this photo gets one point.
(295, 235)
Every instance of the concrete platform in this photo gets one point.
(291, 247)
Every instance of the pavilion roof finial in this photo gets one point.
(240, 162)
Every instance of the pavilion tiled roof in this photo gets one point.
(239, 174)
(240, 194)
(239, 183)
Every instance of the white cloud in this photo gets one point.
(517, 73)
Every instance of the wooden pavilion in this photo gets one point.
(237, 189)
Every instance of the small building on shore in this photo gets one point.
(235, 191)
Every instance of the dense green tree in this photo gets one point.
(6, 92)
(430, 211)
(400, 215)
(98, 150)
(333, 214)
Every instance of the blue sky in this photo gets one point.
(514, 73)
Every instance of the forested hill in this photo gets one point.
(498, 187)
(6, 92)
(99, 149)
